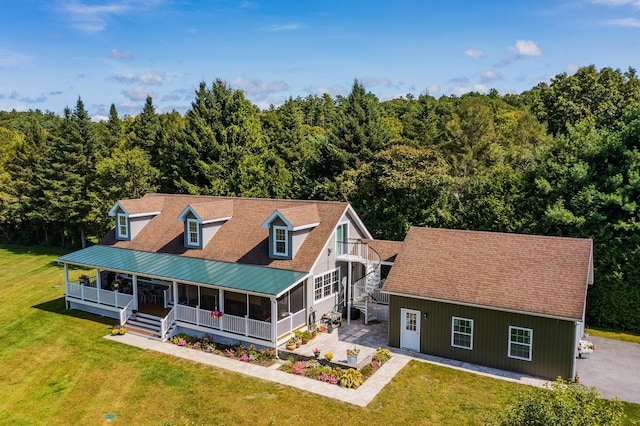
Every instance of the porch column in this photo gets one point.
(349, 291)
(66, 284)
(175, 293)
(221, 308)
(134, 290)
(274, 322)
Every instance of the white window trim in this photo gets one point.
(189, 242)
(454, 332)
(530, 344)
(342, 247)
(276, 228)
(119, 225)
(328, 284)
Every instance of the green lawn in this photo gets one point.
(56, 369)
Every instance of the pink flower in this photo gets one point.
(244, 357)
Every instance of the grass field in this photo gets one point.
(56, 369)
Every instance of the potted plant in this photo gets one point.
(291, 344)
(585, 348)
(352, 356)
(316, 352)
(328, 356)
(305, 336)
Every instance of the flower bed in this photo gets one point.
(265, 357)
(345, 377)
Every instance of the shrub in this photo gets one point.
(562, 403)
(350, 378)
(382, 355)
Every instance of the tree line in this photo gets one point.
(562, 158)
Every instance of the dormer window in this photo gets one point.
(280, 241)
(193, 233)
(122, 226)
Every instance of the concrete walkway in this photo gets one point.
(366, 337)
(361, 396)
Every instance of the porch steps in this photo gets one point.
(145, 325)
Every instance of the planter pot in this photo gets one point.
(298, 343)
(585, 355)
(291, 347)
(317, 355)
(352, 360)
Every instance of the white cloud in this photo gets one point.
(474, 53)
(258, 87)
(9, 58)
(461, 90)
(489, 76)
(148, 78)
(615, 3)
(93, 17)
(433, 89)
(285, 27)
(371, 82)
(138, 93)
(333, 91)
(571, 69)
(527, 48)
(115, 53)
(624, 22)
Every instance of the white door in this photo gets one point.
(410, 332)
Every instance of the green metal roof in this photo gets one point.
(247, 278)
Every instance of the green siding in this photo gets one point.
(246, 278)
(553, 339)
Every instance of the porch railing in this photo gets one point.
(92, 294)
(290, 323)
(167, 322)
(126, 313)
(230, 323)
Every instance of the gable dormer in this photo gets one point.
(202, 221)
(288, 228)
(133, 215)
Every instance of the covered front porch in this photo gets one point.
(264, 309)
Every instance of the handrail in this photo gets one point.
(167, 322)
(126, 312)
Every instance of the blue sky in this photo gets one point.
(120, 51)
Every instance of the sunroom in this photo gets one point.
(229, 300)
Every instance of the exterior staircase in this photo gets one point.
(366, 290)
(145, 325)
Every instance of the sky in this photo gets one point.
(121, 51)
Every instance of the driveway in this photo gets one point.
(612, 369)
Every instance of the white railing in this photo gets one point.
(380, 297)
(126, 313)
(292, 322)
(103, 297)
(187, 314)
(167, 322)
(235, 324)
(231, 323)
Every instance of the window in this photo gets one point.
(520, 343)
(326, 284)
(123, 226)
(462, 333)
(280, 241)
(341, 239)
(209, 298)
(193, 233)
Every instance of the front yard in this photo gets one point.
(56, 368)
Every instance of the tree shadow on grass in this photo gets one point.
(57, 306)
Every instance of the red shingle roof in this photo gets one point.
(241, 239)
(213, 210)
(388, 250)
(301, 215)
(142, 205)
(525, 273)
